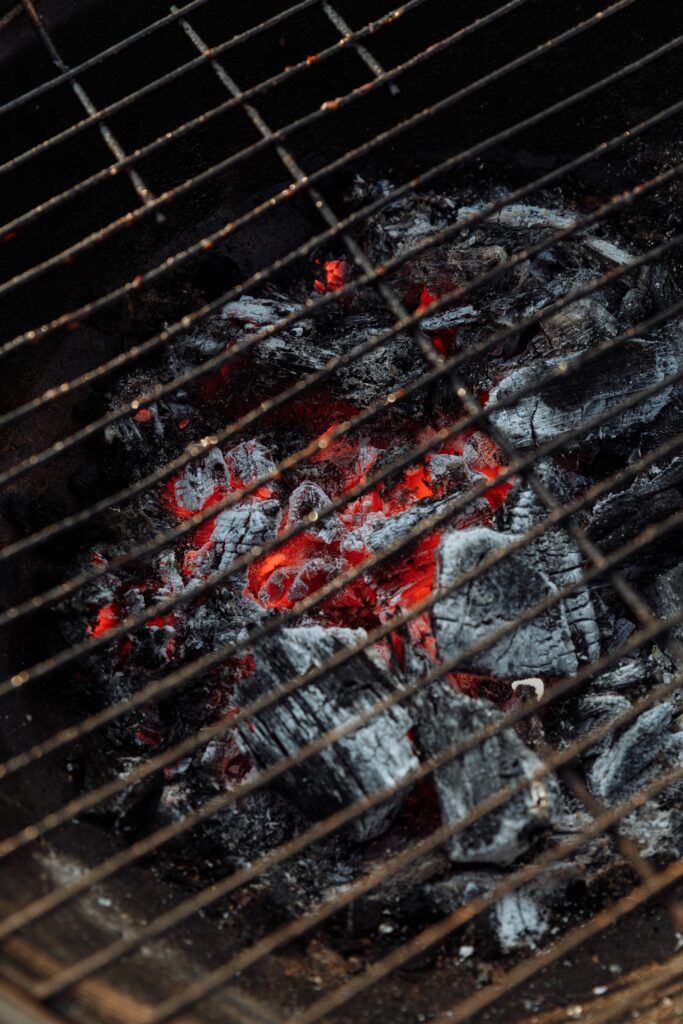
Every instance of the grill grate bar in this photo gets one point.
(345, 31)
(283, 76)
(663, 974)
(561, 371)
(177, 133)
(559, 517)
(11, 14)
(68, 319)
(191, 454)
(113, 145)
(103, 957)
(143, 33)
(429, 113)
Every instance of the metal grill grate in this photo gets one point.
(44, 981)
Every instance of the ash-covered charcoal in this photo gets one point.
(377, 756)
(621, 769)
(556, 641)
(666, 596)
(445, 717)
(651, 496)
(560, 407)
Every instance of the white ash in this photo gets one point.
(199, 480)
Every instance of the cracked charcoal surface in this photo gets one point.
(376, 756)
(445, 717)
(554, 643)
(565, 404)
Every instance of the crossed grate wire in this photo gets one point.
(598, 565)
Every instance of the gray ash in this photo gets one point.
(556, 645)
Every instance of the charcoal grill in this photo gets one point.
(194, 153)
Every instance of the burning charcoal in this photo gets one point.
(562, 405)
(397, 526)
(445, 717)
(376, 756)
(552, 644)
(620, 769)
(236, 531)
(248, 462)
(199, 481)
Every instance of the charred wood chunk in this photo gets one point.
(554, 643)
(651, 497)
(666, 595)
(377, 756)
(446, 717)
(622, 768)
(564, 404)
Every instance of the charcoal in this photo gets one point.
(658, 828)
(396, 527)
(447, 266)
(619, 770)
(376, 756)
(652, 495)
(594, 710)
(563, 405)
(554, 643)
(444, 717)
(515, 670)
(523, 216)
(236, 531)
(578, 327)
(666, 597)
(627, 673)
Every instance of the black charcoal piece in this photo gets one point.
(374, 757)
(627, 673)
(620, 768)
(445, 717)
(666, 595)
(652, 496)
(565, 404)
(554, 643)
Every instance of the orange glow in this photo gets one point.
(337, 273)
(107, 618)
